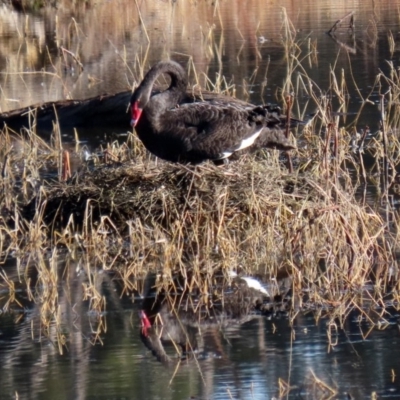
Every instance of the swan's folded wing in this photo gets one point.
(215, 129)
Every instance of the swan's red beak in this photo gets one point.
(146, 324)
(136, 113)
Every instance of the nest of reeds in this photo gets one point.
(163, 193)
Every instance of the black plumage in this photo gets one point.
(181, 127)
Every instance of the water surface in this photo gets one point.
(240, 361)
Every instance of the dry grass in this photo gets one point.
(130, 213)
(251, 215)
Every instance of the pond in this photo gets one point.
(80, 51)
(260, 357)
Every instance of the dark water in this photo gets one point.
(240, 361)
(233, 39)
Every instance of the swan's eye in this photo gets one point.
(136, 113)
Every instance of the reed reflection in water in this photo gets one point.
(103, 355)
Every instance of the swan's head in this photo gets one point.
(136, 110)
(138, 102)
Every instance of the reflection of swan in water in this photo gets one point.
(251, 283)
(162, 322)
(167, 328)
(164, 319)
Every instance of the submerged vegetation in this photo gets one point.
(330, 226)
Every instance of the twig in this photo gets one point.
(289, 102)
(336, 154)
(361, 151)
(350, 49)
(385, 149)
(64, 50)
(339, 21)
(66, 166)
(142, 22)
(352, 24)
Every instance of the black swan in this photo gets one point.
(178, 127)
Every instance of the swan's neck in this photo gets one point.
(168, 98)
